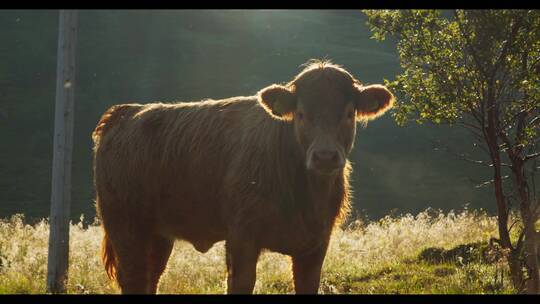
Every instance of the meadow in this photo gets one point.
(394, 255)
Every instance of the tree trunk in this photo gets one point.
(490, 112)
(532, 283)
(513, 256)
(531, 259)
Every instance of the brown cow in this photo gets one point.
(261, 172)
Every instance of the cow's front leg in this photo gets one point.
(242, 259)
(307, 270)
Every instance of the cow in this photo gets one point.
(263, 172)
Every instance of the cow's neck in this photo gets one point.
(323, 186)
(326, 195)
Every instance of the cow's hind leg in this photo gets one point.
(133, 267)
(132, 244)
(140, 265)
(160, 252)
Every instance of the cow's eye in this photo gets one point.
(350, 114)
(300, 115)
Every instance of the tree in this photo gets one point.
(479, 70)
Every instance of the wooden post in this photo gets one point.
(63, 146)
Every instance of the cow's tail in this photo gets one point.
(109, 257)
(108, 119)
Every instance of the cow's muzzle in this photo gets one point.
(325, 161)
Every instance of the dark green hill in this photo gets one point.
(188, 55)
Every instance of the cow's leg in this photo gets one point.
(132, 273)
(242, 259)
(307, 270)
(132, 244)
(160, 251)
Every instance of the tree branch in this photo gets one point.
(491, 181)
(470, 45)
(531, 156)
(508, 42)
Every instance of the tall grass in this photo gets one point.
(375, 257)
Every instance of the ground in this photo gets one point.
(389, 256)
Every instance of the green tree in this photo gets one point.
(479, 70)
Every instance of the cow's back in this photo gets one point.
(165, 163)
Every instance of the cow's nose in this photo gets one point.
(326, 155)
(325, 161)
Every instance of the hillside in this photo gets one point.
(147, 56)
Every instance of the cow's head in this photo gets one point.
(324, 102)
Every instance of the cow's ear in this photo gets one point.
(278, 101)
(371, 101)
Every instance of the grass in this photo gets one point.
(382, 257)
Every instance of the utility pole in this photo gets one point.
(63, 147)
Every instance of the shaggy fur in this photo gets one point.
(231, 169)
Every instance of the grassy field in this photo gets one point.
(382, 257)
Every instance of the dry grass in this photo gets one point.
(376, 257)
